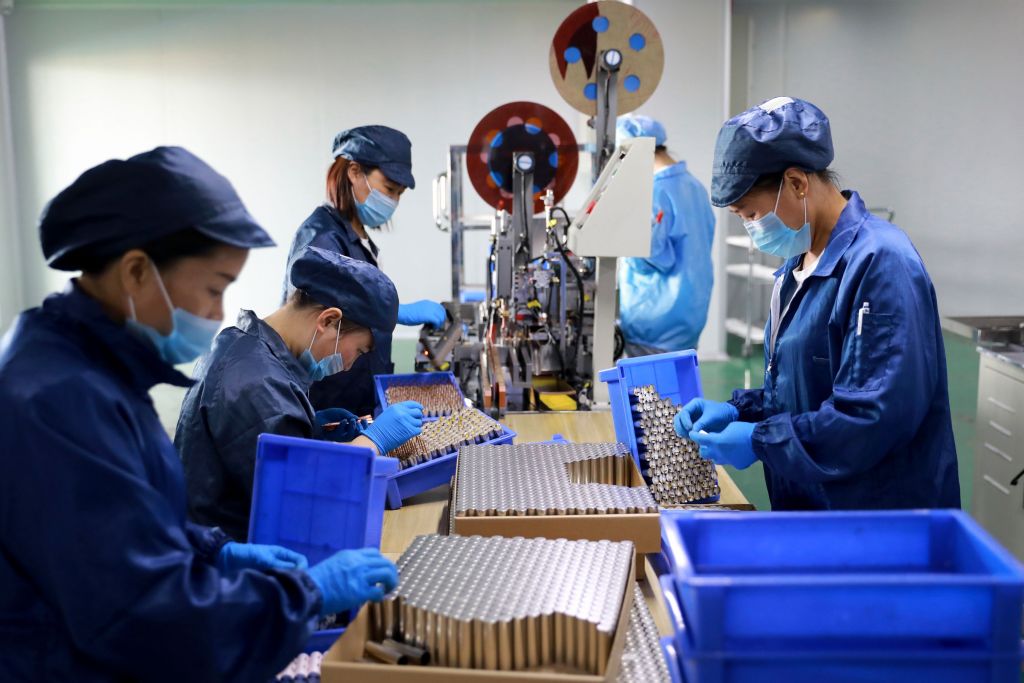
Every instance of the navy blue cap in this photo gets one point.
(363, 292)
(125, 204)
(775, 135)
(379, 146)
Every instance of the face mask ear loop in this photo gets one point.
(131, 308)
(337, 340)
(778, 197)
(160, 284)
(310, 348)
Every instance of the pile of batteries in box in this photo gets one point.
(438, 399)
(304, 669)
(508, 604)
(445, 435)
(549, 479)
(674, 467)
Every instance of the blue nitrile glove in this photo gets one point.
(731, 446)
(349, 578)
(703, 415)
(396, 425)
(336, 424)
(237, 556)
(424, 312)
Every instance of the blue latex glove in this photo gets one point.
(731, 446)
(423, 312)
(349, 578)
(237, 556)
(703, 415)
(336, 424)
(396, 425)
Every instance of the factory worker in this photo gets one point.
(664, 298)
(372, 168)
(854, 411)
(259, 372)
(101, 576)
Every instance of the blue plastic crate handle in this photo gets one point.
(675, 612)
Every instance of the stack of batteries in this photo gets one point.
(444, 436)
(303, 669)
(440, 398)
(508, 603)
(549, 479)
(642, 658)
(677, 473)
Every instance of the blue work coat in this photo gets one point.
(663, 299)
(249, 384)
(854, 413)
(353, 389)
(101, 576)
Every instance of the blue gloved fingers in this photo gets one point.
(690, 412)
(375, 594)
(386, 577)
(715, 416)
(288, 559)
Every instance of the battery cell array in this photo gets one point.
(677, 472)
(508, 604)
(445, 435)
(642, 659)
(549, 479)
(437, 399)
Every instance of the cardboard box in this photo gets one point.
(644, 530)
(345, 661)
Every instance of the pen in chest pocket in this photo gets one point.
(865, 309)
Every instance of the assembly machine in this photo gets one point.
(544, 322)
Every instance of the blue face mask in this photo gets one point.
(326, 366)
(772, 236)
(190, 337)
(377, 209)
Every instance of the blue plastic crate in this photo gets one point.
(427, 475)
(382, 382)
(316, 498)
(668, 650)
(554, 440)
(919, 578)
(877, 662)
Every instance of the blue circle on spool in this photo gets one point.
(590, 91)
(496, 142)
(497, 178)
(600, 24)
(572, 55)
(536, 188)
(553, 160)
(631, 83)
(637, 42)
(531, 129)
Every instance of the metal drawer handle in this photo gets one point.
(1000, 404)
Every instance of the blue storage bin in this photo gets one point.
(427, 475)
(675, 375)
(878, 662)
(555, 439)
(668, 649)
(382, 382)
(316, 498)
(918, 578)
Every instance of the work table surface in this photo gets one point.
(422, 514)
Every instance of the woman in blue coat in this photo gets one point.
(101, 576)
(372, 168)
(854, 412)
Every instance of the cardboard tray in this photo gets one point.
(345, 663)
(643, 529)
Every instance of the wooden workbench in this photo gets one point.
(422, 514)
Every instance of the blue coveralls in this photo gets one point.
(854, 413)
(353, 389)
(101, 576)
(249, 384)
(663, 299)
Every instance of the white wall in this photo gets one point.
(259, 92)
(691, 101)
(924, 98)
(10, 237)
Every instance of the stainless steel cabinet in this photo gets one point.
(999, 453)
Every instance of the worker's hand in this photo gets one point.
(349, 578)
(423, 312)
(731, 446)
(703, 415)
(396, 425)
(237, 556)
(336, 424)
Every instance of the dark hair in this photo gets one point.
(660, 149)
(301, 300)
(339, 187)
(163, 251)
(771, 181)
